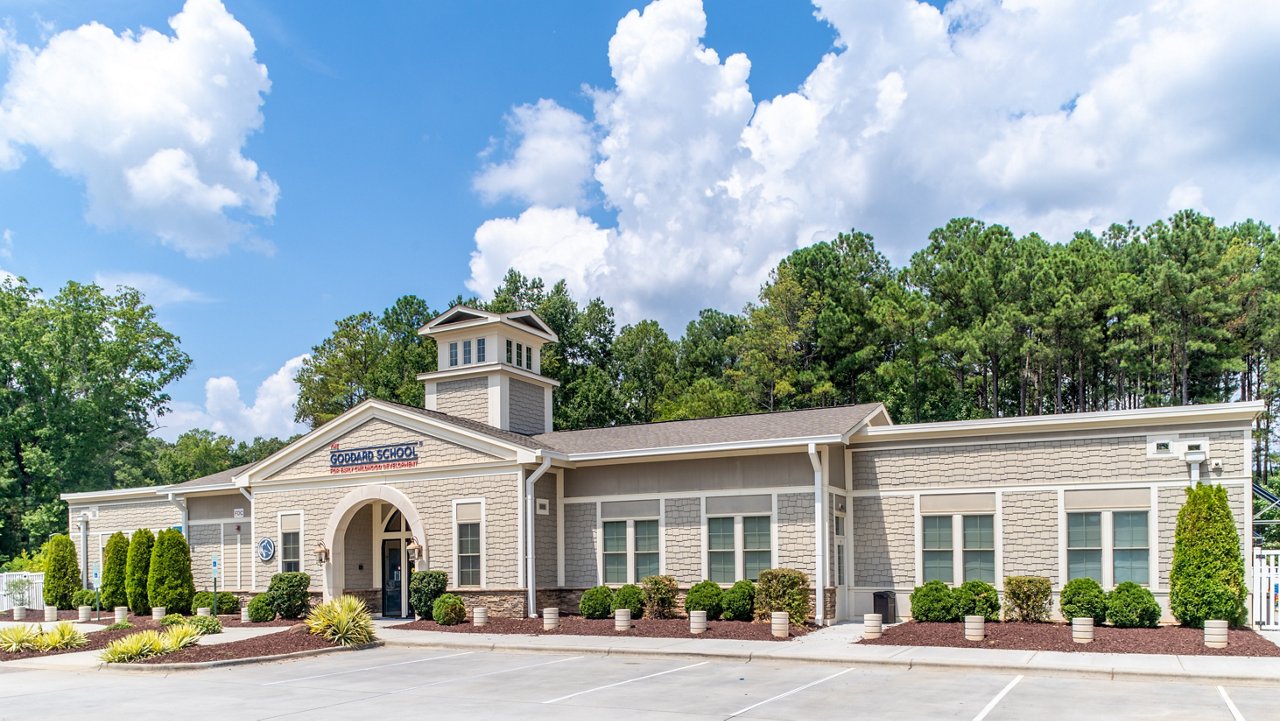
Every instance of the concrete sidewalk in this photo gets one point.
(836, 645)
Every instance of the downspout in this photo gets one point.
(84, 550)
(529, 519)
(182, 506)
(820, 541)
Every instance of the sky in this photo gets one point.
(260, 170)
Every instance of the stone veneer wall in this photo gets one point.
(545, 532)
(527, 413)
(795, 532)
(580, 570)
(432, 451)
(1170, 500)
(467, 398)
(683, 539)
(883, 541)
(1030, 531)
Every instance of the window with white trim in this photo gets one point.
(291, 542)
(519, 354)
(1127, 556)
(468, 543)
(479, 350)
(731, 537)
(1131, 549)
(630, 550)
(972, 534)
(528, 357)
(936, 541)
(466, 352)
(453, 354)
(508, 352)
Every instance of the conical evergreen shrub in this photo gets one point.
(113, 591)
(1207, 579)
(61, 572)
(169, 581)
(137, 565)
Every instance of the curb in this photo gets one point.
(199, 665)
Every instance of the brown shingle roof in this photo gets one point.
(213, 479)
(727, 429)
(518, 439)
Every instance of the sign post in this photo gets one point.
(215, 585)
(97, 592)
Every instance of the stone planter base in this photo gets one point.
(872, 626)
(1082, 630)
(1215, 634)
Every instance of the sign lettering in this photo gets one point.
(373, 458)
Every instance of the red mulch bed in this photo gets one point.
(97, 640)
(272, 644)
(640, 628)
(1057, 637)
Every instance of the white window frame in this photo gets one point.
(1107, 522)
(480, 350)
(453, 354)
(466, 352)
(519, 355)
(739, 542)
(509, 352)
(453, 563)
(302, 534)
(957, 545)
(631, 547)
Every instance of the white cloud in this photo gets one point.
(225, 412)
(1050, 116)
(153, 124)
(559, 240)
(158, 290)
(6, 244)
(552, 161)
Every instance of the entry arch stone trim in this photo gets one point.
(336, 530)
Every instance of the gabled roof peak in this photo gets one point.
(463, 316)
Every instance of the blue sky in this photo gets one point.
(263, 169)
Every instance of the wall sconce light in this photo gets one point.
(322, 553)
(414, 549)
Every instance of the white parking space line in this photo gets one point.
(785, 694)
(992, 703)
(482, 675)
(1235, 712)
(630, 680)
(369, 668)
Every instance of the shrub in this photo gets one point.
(180, 636)
(118, 626)
(289, 593)
(1083, 598)
(659, 596)
(1132, 606)
(977, 598)
(344, 621)
(596, 602)
(113, 571)
(706, 596)
(19, 591)
(738, 603)
(62, 572)
(169, 582)
(783, 589)
(448, 610)
(630, 597)
(172, 619)
(424, 588)
(137, 566)
(1207, 578)
(134, 647)
(227, 602)
(16, 639)
(84, 597)
(206, 625)
(262, 609)
(1028, 598)
(933, 602)
(61, 636)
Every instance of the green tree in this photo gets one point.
(705, 398)
(114, 592)
(137, 570)
(196, 453)
(169, 581)
(646, 361)
(61, 573)
(1207, 581)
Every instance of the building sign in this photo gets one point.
(237, 513)
(373, 458)
(266, 549)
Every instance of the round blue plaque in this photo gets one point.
(266, 549)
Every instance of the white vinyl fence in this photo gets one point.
(35, 592)
(1266, 589)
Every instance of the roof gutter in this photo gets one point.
(704, 448)
(529, 516)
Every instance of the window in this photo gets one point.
(756, 553)
(839, 531)
(641, 549)
(938, 561)
(646, 555)
(723, 545)
(979, 548)
(466, 352)
(1084, 546)
(291, 542)
(479, 350)
(528, 357)
(721, 564)
(519, 353)
(508, 352)
(469, 554)
(453, 354)
(1132, 553)
(615, 552)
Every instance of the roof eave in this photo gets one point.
(724, 447)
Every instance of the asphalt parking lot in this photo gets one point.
(426, 683)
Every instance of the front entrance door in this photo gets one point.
(391, 577)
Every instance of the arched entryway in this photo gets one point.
(378, 523)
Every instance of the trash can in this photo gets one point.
(886, 604)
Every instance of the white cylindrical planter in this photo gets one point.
(19, 613)
(780, 623)
(480, 616)
(204, 611)
(85, 612)
(157, 612)
(975, 628)
(550, 619)
(50, 614)
(872, 625)
(697, 622)
(244, 614)
(1215, 634)
(1082, 630)
(122, 613)
(622, 619)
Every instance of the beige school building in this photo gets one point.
(477, 483)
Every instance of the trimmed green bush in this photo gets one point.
(344, 621)
(113, 571)
(596, 602)
(1132, 606)
(227, 602)
(1028, 598)
(659, 596)
(1083, 598)
(977, 598)
(448, 610)
(137, 566)
(424, 588)
(118, 626)
(933, 602)
(61, 573)
(783, 589)
(1207, 579)
(630, 597)
(705, 596)
(172, 619)
(739, 602)
(169, 582)
(84, 597)
(262, 608)
(289, 593)
(206, 625)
